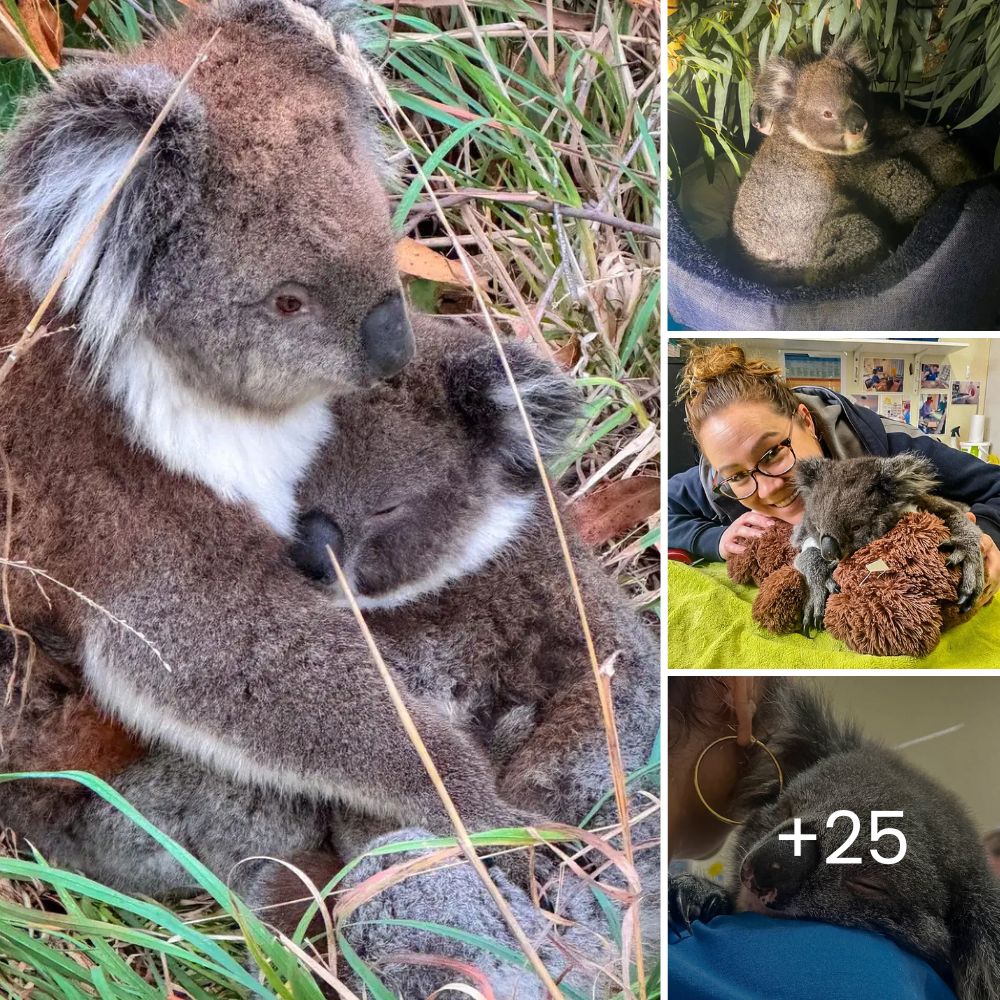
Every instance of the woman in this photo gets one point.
(748, 956)
(752, 428)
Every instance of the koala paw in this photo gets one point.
(815, 608)
(972, 582)
(694, 898)
(964, 551)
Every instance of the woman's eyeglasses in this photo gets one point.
(774, 463)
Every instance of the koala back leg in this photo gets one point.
(899, 189)
(848, 243)
(218, 820)
(562, 768)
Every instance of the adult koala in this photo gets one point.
(838, 182)
(245, 274)
(429, 494)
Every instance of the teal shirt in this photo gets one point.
(752, 957)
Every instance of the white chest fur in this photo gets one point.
(241, 456)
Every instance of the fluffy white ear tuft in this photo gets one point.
(61, 163)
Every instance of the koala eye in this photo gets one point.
(870, 888)
(384, 511)
(288, 305)
(827, 114)
(289, 299)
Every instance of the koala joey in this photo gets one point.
(430, 498)
(838, 182)
(939, 901)
(851, 502)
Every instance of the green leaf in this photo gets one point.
(890, 20)
(748, 15)
(784, 27)
(378, 990)
(817, 32)
(991, 102)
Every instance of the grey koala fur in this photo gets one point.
(445, 534)
(837, 183)
(940, 901)
(448, 542)
(851, 502)
(245, 274)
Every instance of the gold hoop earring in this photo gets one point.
(754, 742)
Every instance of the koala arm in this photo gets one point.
(271, 683)
(691, 898)
(942, 159)
(818, 575)
(965, 548)
(898, 188)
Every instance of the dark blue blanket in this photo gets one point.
(945, 276)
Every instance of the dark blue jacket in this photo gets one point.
(696, 518)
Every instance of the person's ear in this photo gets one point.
(807, 418)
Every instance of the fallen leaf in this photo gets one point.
(567, 355)
(418, 261)
(43, 28)
(613, 510)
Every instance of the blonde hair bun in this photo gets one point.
(720, 375)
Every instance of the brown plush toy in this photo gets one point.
(898, 610)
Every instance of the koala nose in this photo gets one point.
(830, 548)
(316, 531)
(855, 122)
(387, 337)
(777, 871)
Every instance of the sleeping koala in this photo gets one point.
(838, 182)
(939, 900)
(429, 497)
(851, 502)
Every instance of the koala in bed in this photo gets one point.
(838, 181)
(939, 901)
(851, 502)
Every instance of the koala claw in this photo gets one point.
(812, 613)
(832, 586)
(971, 585)
(694, 898)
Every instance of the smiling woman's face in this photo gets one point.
(736, 438)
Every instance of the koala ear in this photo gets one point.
(807, 471)
(62, 161)
(776, 83)
(905, 477)
(761, 118)
(478, 389)
(975, 923)
(853, 53)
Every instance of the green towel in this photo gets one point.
(710, 628)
